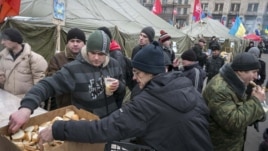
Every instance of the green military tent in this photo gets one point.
(125, 18)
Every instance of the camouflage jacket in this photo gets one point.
(230, 110)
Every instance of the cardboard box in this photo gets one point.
(7, 145)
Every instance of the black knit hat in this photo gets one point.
(189, 55)
(107, 31)
(98, 41)
(215, 46)
(76, 33)
(149, 31)
(164, 36)
(150, 59)
(244, 62)
(12, 35)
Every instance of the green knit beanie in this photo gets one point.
(98, 41)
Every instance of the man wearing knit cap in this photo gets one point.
(76, 40)
(198, 49)
(167, 110)
(192, 70)
(83, 78)
(146, 37)
(165, 41)
(20, 66)
(231, 109)
(117, 54)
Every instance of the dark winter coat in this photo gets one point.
(231, 111)
(168, 115)
(213, 65)
(191, 73)
(85, 83)
(201, 57)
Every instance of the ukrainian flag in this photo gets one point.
(266, 30)
(238, 28)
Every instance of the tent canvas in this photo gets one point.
(125, 18)
(208, 27)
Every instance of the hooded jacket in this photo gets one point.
(168, 115)
(85, 82)
(21, 74)
(231, 111)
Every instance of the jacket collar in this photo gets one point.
(233, 80)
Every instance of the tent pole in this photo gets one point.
(58, 38)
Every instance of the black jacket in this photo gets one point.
(213, 65)
(191, 73)
(168, 115)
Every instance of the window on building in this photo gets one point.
(204, 6)
(184, 11)
(266, 10)
(253, 7)
(152, 1)
(186, 2)
(164, 10)
(235, 7)
(179, 11)
(218, 7)
(164, 1)
(142, 2)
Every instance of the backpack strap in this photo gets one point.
(196, 81)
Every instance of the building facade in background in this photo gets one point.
(253, 13)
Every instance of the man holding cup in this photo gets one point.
(83, 78)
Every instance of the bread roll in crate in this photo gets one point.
(26, 139)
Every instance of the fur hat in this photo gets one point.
(189, 55)
(149, 31)
(76, 33)
(244, 62)
(107, 31)
(255, 51)
(150, 59)
(12, 35)
(98, 41)
(215, 46)
(164, 36)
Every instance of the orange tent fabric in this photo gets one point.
(9, 8)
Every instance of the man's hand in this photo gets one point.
(45, 135)
(259, 93)
(18, 118)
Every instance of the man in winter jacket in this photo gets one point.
(83, 78)
(76, 40)
(214, 62)
(192, 70)
(20, 66)
(168, 114)
(198, 49)
(231, 111)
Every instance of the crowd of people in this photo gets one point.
(197, 101)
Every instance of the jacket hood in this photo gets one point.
(114, 46)
(163, 86)
(232, 79)
(83, 57)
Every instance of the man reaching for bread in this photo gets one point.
(83, 78)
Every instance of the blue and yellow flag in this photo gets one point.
(238, 28)
(266, 30)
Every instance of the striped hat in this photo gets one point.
(164, 36)
(98, 41)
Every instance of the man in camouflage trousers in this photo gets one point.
(231, 110)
